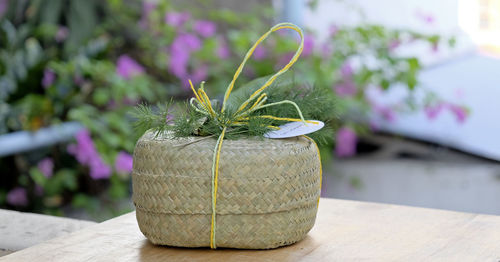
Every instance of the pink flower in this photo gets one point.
(169, 118)
(333, 30)
(346, 70)
(4, 5)
(385, 112)
(177, 19)
(284, 59)
(86, 153)
(326, 49)
(78, 80)
(394, 44)
(17, 197)
(123, 162)
(48, 78)
(259, 53)
(435, 47)
(147, 8)
(62, 34)
(190, 41)
(180, 51)
(38, 190)
(205, 28)
(99, 169)
(127, 67)
(433, 111)
(345, 88)
(345, 142)
(199, 74)
(178, 62)
(308, 45)
(46, 166)
(459, 112)
(425, 17)
(223, 50)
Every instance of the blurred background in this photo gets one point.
(416, 86)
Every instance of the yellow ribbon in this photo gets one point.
(204, 106)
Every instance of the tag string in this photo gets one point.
(257, 100)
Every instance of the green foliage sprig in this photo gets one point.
(315, 102)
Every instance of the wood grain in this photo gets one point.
(344, 231)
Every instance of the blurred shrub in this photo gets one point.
(91, 61)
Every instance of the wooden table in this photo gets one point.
(344, 231)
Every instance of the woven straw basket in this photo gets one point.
(268, 191)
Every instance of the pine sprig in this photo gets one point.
(316, 103)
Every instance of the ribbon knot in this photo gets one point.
(257, 100)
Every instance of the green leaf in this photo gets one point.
(118, 188)
(50, 11)
(101, 96)
(82, 20)
(87, 202)
(37, 176)
(68, 178)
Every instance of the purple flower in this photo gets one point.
(345, 142)
(127, 67)
(345, 88)
(199, 74)
(223, 50)
(249, 72)
(308, 45)
(99, 169)
(433, 111)
(385, 112)
(178, 62)
(169, 118)
(284, 59)
(373, 126)
(46, 166)
(17, 197)
(425, 17)
(205, 28)
(48, 78)
(147, 8)
(176, 19)
(333, 30)
(4, 4)
(86, 153)
(38, 190)
(326, 50)
(259, 53)
(435, 47)
(394, 44)
(346, 70)
(180, 51)
(123, 162)
(61, 34)
(459, 112)
(192, 42)
(78, 80)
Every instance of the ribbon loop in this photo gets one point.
(273, 77)
(204, 106)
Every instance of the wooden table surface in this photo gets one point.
(344, 231)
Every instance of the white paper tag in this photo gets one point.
(295, 129)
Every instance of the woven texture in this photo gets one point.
(267, 195)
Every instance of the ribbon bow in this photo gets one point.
(257, 100)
